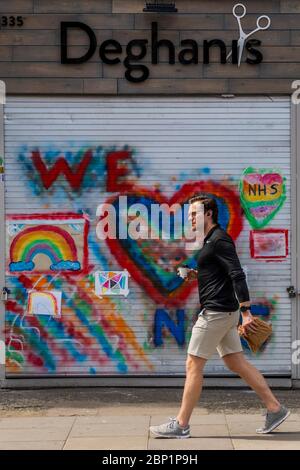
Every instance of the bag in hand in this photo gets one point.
(259, 337)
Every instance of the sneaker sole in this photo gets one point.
(267, 431)
(163, 436)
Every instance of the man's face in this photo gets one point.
(196, 216)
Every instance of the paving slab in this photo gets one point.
(32, 445)
(107, 443)
(215, 443)
(289, 441)
(210, 430)
(38, 435)
(126, 427)
(120, 426)
(36, 422)
(112, 419)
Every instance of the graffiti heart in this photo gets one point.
(153, 263)
(262, 195)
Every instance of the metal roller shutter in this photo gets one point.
(174, 142)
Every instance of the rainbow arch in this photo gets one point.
(50, 240)
(44, 303)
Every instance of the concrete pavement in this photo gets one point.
(126, 428)
(119, 418)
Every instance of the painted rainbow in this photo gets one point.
(49, 240)
(42, 303)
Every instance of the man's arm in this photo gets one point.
(226, 254)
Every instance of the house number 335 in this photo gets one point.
(11, 21)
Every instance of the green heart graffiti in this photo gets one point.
(262, 193)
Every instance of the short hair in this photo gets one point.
(209, 203)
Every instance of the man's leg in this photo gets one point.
(237, 363)
(192, 388)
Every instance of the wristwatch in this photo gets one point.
(244, 309)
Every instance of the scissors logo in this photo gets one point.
(262, 23)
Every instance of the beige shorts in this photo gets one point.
(215, 331)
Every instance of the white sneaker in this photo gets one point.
(170, 430)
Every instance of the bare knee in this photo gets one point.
(235, 362)
(195, 364)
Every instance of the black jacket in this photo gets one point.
(221, 280)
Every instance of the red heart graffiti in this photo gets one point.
(137, 265)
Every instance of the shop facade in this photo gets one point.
(107, 103)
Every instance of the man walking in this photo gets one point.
(223, 295)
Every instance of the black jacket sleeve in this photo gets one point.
(226, 255)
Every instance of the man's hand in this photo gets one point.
(248, 323)
(192, 274)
